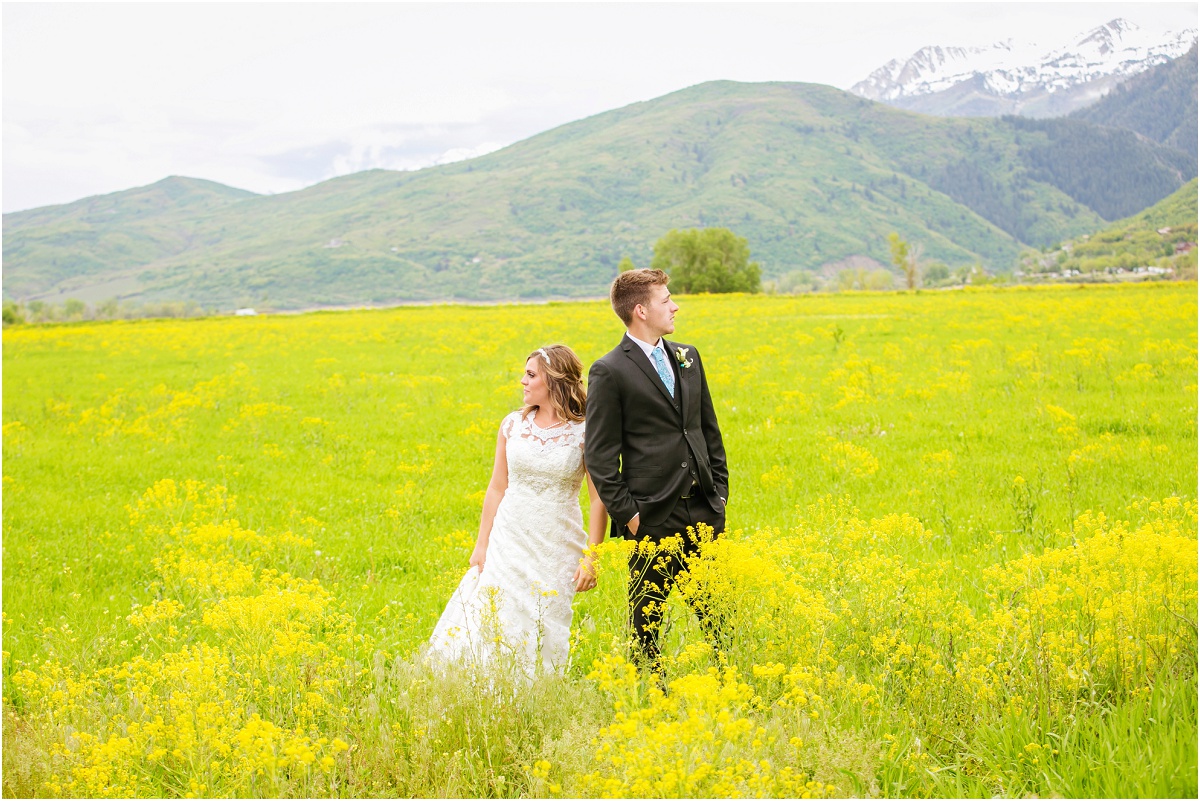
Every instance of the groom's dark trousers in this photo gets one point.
(661, 457)
(652, 576)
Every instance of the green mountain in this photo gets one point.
(1073, 156)
(1159, 104)
(89, 243)
(1178, 210)
(1158, 237)
(810, 175)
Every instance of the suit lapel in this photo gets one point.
(638, 357)
(681, 387)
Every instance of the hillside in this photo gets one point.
(808, 174)
(98, 238)
(1160, 238)
(1159, 104)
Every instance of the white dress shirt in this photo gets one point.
(647, 348)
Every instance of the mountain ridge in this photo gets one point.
(1149, 104)
(1026, 79)
(197, 191)
(808, 173)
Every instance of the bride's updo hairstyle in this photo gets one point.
(563, 373)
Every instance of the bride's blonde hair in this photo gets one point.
(563, 373)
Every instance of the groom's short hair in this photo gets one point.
(633, 287)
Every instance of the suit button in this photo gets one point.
(684, 465)
(685, 432)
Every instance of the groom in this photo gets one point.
(654, 450)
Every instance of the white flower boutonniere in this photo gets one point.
(681, 357)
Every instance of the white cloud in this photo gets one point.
(273, 97)
(463, 153)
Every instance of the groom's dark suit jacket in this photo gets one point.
(643, 447)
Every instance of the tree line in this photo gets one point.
(74, 310)
(716, 260)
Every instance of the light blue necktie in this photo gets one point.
(664, 372)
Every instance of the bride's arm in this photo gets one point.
(495, 491)
(585, 574)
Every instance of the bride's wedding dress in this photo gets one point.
(518, 607)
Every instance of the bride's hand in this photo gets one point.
(477, 558)
(585, 574)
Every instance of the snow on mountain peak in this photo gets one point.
(1118, 48)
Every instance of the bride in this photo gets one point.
(529, 561)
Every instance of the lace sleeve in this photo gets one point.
(508, 424)
(581, 433)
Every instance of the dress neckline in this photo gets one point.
(533, 422)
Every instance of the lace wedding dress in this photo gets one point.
(518, 608)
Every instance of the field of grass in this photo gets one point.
(962, 556)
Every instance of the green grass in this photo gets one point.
(377, 441)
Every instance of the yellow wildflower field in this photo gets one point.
(962, 556)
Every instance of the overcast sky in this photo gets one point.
(273, 97)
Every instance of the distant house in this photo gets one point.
(1184, 247)
(245, 312)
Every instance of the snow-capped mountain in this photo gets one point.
(1011, 77)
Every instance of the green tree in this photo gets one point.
(107, 310)
(878, 280)
(707, 260)
(74, 309)
(796, 281)
(905, 258)
(851, 278)
(12, 313)
(936, 273)
(625, 265)
(1185, 266)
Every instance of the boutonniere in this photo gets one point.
(681, 357)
